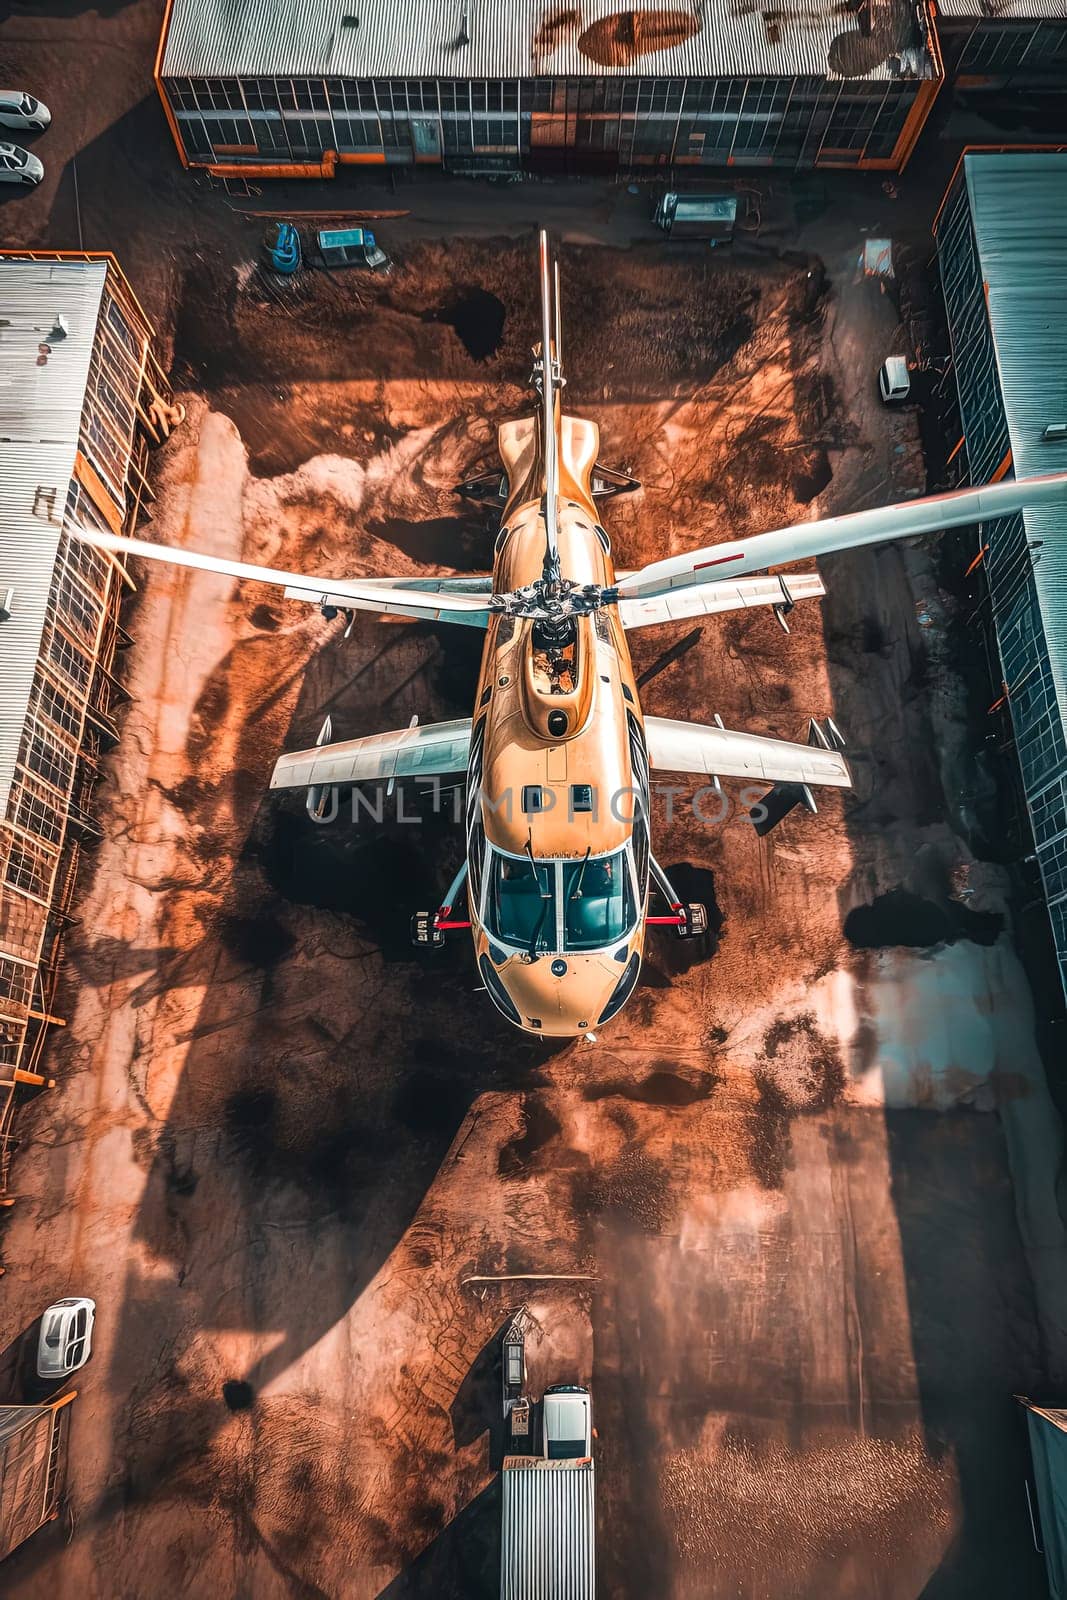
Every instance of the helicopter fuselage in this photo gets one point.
(557, 808)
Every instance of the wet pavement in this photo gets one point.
(797, 1202)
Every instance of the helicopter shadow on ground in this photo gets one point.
(328, 1071)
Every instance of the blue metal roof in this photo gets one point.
(1018, 205)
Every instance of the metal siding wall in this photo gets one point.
(548, 1533)
(1001, 238)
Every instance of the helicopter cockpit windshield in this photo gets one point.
(543, 906)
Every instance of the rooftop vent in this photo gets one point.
(349, 20)
(1055, 431)
(7, 600)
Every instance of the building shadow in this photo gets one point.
(18, 1361)
(478, 1406)
(971, 1306)
(313, 1108)
(463, 1562)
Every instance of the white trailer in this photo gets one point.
(548, 1532)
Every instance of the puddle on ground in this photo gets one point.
(538, 1127)
(238, 1395)
(657, 1089)
(902, 918)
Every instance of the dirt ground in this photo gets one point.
(810, 1260)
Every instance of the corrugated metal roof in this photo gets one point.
(40, 413)
(548, 1532)
(537, 38)
(1005, 10)
(1019, 210)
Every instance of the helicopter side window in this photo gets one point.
(521, 902)
(598, 901)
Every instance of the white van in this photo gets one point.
(568, 1423)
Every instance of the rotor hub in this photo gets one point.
(554, 600)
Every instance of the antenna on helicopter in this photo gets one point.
(550, 382)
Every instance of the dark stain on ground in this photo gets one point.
(659, 1088)
(238, 1395)
(460, 542)
(478, 318)
(539, 1126)
(811, 475)
(634, 1189)
(265, 618)
(770, 1147)
(813, 1081)
(823, 1079)
(261, 940)
(900, 918)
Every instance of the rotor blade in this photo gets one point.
(724, 594)
(344, 591)
(850, 532)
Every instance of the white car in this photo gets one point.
(19, 166)
(21, 110)
(66, 1340)
(568, 1423)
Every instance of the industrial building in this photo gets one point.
(303, 87)
(33, 1460)
(1018, 44)
(1002, 248)
(81, 398)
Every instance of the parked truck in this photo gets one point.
(548, 1532)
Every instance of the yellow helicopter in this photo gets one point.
(559, 874)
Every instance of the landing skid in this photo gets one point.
(428, 928)
(688, 921)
